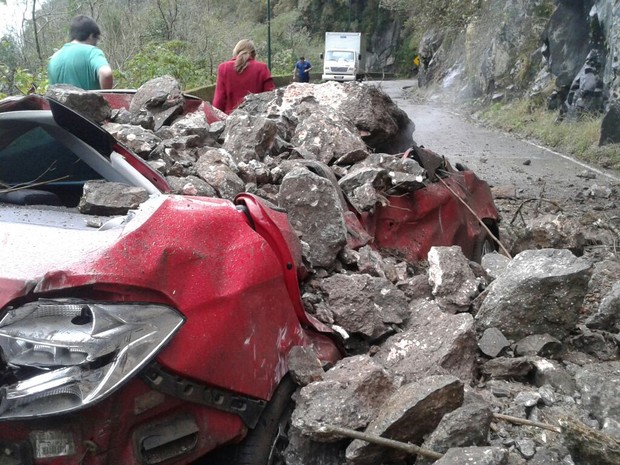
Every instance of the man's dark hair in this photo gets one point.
(82, 27)
(301, 58)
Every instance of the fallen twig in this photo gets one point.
(31, 185)
(410, 449)
(538, 200)
(486, 228)
(523, 421)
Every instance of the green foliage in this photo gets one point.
(544, 9)
(15, 80)
(158, 59)
(578, 138)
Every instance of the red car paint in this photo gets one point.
(437, 215)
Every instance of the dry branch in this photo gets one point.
(486, 228)
(410, 449)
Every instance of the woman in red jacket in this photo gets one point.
(240, 76)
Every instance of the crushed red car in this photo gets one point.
(159, 336)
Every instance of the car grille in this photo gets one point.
(338, 69)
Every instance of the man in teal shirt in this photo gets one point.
(80, 62)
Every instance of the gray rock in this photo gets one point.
(494, 264)
(191, 185)
(607, 316)
(492, 342)
(110, 198)
(528, 398)
(328, 136)
(539, 344)
(474, 456)
(454, 283)
(386, 127)
(248, 137)
(466, 426)
(545, 456)
(508, 368)
(217, 168)
(549, 372)
(540, 292)
(301, 450)
(364, 304)
(376, 177)
(413, 411)
(433, 343)
(139, 140)
(526, 447)
(161, 98)
(599, 385)
(315, 211)
(304, 366)
(551, 232)
(89, 104)
(350, 395)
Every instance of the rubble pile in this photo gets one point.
(512, 361)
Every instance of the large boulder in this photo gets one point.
(540, 292)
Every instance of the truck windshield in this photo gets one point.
(340, 56)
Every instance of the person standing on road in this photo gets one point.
(80, 62)
(241, 76)
(301, 72)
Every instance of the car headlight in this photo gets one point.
(66, 354)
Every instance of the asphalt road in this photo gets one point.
(500, 158)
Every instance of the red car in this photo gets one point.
(158, 336)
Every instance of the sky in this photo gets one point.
(12, 13)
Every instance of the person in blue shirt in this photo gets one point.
(301, 72)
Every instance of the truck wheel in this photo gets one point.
(265, 444)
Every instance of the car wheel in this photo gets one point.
(265, 444)
(484, 245)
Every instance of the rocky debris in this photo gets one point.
(91, 105)
(492, 343)
(157, 101)
(453, 280)
(414, 410)
(482, 364)
(316, 212)
(474, 456)
(550, 279)
(350, 395)
(364, 305)
(110, 198)
(304, 366)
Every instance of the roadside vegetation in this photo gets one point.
(579, 138)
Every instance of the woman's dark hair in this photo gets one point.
(82, 27)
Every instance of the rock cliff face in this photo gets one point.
(564, 52)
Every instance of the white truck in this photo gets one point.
(343, 59)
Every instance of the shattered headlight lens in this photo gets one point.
(63, 355)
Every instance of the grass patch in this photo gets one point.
(576, 138)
